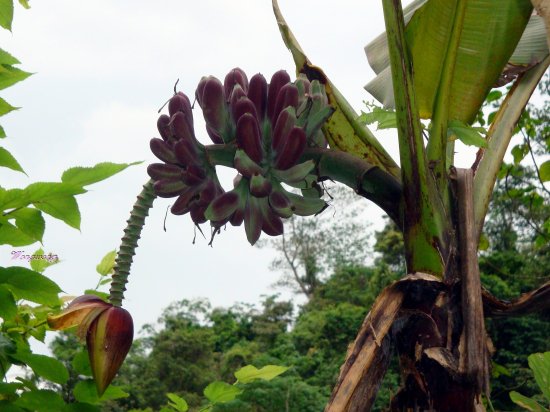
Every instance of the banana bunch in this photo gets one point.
(270, 125)
(185, 172)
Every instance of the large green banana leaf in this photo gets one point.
(489, 40)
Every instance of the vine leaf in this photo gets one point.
(250, 373)
(84, 176)
(7, 159)
(221, 392)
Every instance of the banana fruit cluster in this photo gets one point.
(269, 126)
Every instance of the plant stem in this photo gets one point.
(426, 225)
(437, 144)
(129, 243)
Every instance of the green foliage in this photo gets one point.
(470, 136)
(27, 296)
(385, 118)
(540, 365)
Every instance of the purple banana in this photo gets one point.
(248, 137)
(159, 171)
(169, 188)
(164, 127)
(213, 103)
(292, 149)
(257, 92)
(288, 96)
(162, 150)
(285, 122)
(278, 80)
(235, 77)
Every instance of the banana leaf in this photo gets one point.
(490, 39)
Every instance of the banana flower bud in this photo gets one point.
(108, 330)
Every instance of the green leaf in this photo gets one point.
(84, 176)
(8, 406)
(493, 96)
(221, 392)
(10, 75)
(30, 285)
(519, 152)
(525, 402)
(6, 14)
(63, 208)
(544, 171)
(30, 222)
(102, 295)
(41, 401)
(540, 365)
(41, 261)
(489, 36)
(25, 4)
(386, 119)
(250, 373)
(81, 407)
(45, 366)
(37, 193)
(9, 388)
(5, 107)
(7, 160)
(484, 245)
(6, 58)
(2, 132)
(81, 363)
(85, 391)
(8, 308)
(468, 135)
(11, 235)
(107, 264)
(177, 403)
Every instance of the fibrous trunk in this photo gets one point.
(436, 327)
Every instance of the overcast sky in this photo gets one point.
(103, 68)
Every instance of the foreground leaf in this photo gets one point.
(29, 285)
(10, 75)
(84, 176)
(64, 208)
(45, 367)
(250, 373)
(540, 365)
(105, 267)
(7, 160)
(43, 261)
(470, 136)
(177, 403)
(221, 392)
(12, 235)
(41, 401)
(85, 391)
(8, 308)
(30, 222)
(6, 13)
(544, 171)
(525, 402)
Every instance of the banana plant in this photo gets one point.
(436, 63)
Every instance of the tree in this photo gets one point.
(310, 248)
(439, 67)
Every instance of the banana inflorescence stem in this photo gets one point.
(129, 243)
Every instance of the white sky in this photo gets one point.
(103, 69)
